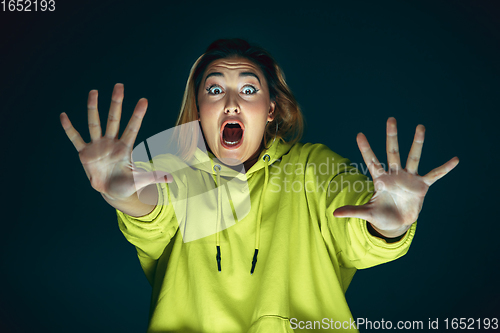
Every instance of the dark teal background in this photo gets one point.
(66, 267)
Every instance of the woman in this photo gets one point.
(309, 228)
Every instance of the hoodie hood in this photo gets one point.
(205, 161)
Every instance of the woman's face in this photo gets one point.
(234, 105)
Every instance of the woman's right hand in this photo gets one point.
(107, 160)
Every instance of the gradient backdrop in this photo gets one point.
(66, 267)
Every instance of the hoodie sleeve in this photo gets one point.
(150, 234)
(353, 244)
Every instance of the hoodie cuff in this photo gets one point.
(155, 213)
(381, 243)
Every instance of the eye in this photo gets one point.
(249, 90)
(214, 90)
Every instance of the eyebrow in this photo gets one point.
(242, 74)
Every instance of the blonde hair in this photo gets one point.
(287, 112)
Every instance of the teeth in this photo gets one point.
(231, 142)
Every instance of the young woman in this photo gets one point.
(313, 219)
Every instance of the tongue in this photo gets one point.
(232, 134)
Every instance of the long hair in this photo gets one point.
(288, 115)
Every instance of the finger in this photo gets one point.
(134, 124)
(115, 111)
(440, 172)
(416, 150)
(369, 157)
(392, 145)
(363, 212)
(93, 116)
(143, 179)
(149, 194)
(71, 132)
(162, 177)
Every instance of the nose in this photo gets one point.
(232, 106)
(231, 110)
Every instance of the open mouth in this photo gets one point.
(232, 134)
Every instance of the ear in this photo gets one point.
(271, 115)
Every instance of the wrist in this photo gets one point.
(131, 205)
(390, 236)
(132, 198)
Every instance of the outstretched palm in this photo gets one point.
(107, 159)
(399, 193)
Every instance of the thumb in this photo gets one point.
(143, 179)
(162, 177)
(363, 212)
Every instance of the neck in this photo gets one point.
(251, 161)
(254, 158)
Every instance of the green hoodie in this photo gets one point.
(306, 257)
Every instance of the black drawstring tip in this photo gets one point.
(218, 257)
(254, 261)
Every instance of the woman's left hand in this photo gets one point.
(399, 193)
